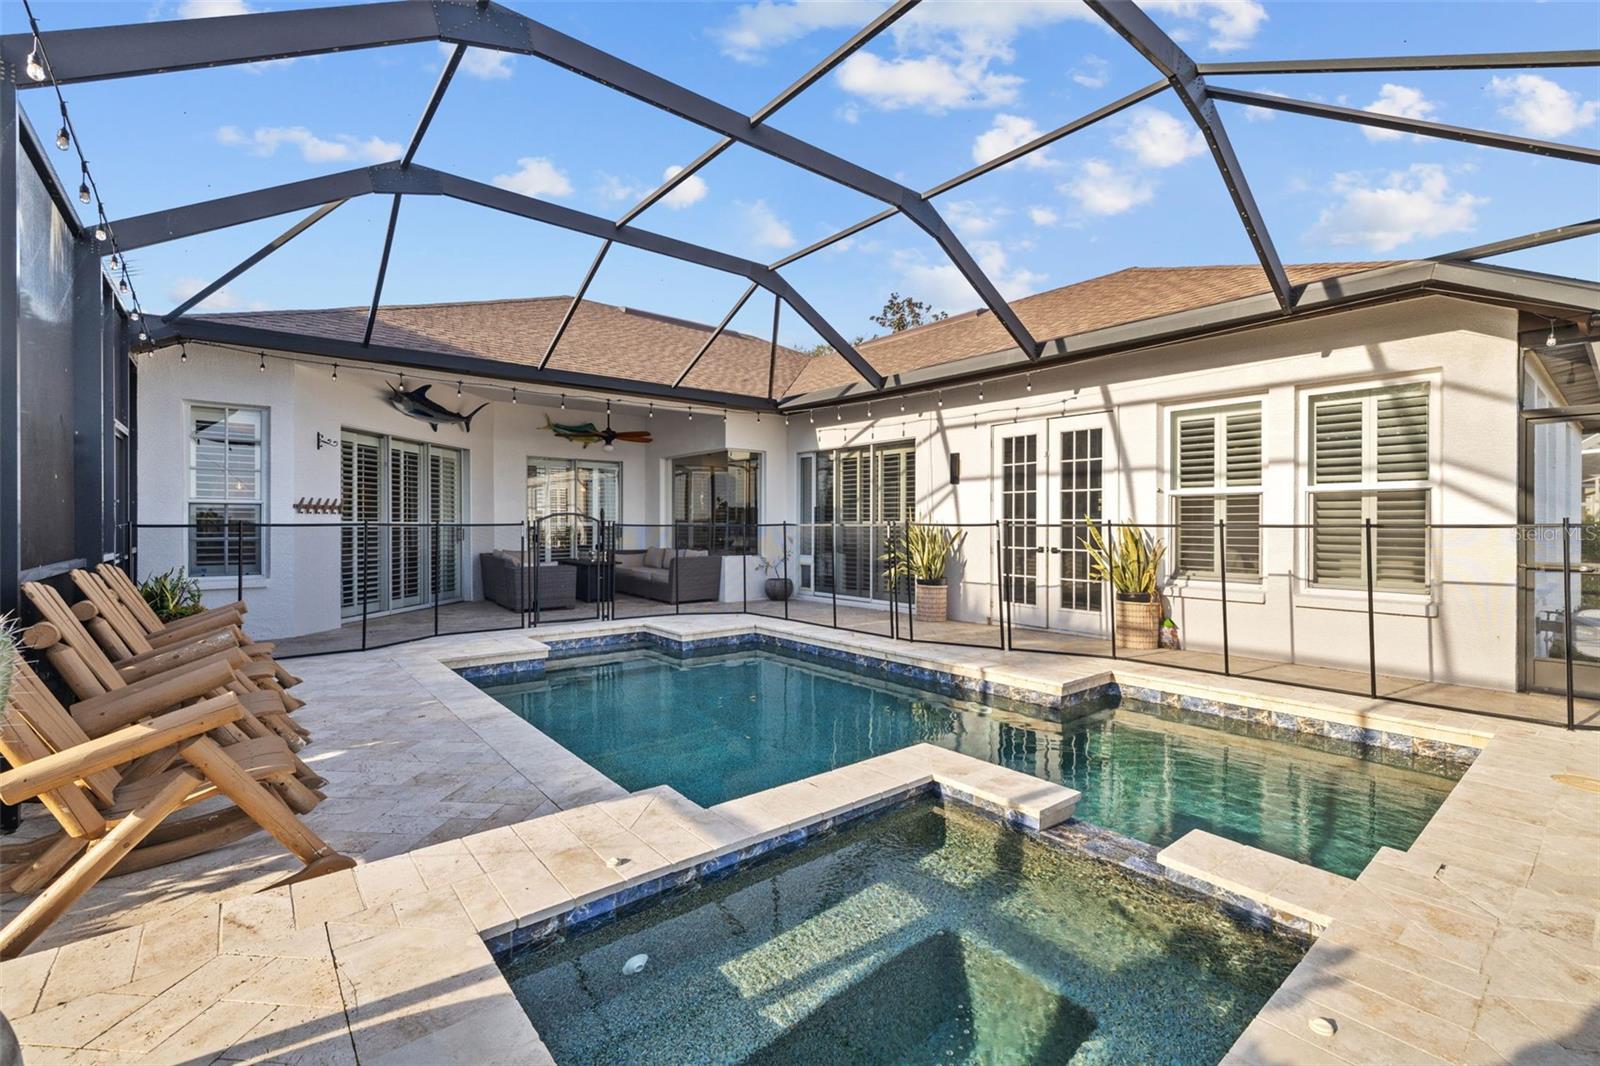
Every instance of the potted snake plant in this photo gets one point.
(1128, 560)
(922, 554)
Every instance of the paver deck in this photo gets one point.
(1479, 944)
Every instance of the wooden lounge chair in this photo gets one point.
(123, 637)
(92, 672)
(107, 803)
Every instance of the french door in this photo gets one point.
(401, 487)
(1055, 480)
(1561, 455)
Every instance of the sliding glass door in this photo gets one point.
(848, 497)
(401, 487)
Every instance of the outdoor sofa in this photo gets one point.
(659, 573)
(504, 582)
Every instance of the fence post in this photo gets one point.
(834, 551)
(433, 570)
(1566, 612)
(1222, 589)
(366, 578)
(238, 557)
(788, 587)
(911, 598)
(1111, 595)
(522, 581)
(894, 581)
(1000, 579)
(1372, 618)
(531, 574)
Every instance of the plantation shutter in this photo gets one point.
(1220, 451)
(444, 507)
(358, 490)
(1377, 443)
(226, 446)
(1242, 465)
(1197, 452)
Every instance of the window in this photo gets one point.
(716, 502)
(1369, 462)
(226, 490)
(590, 487)
(1216, 477)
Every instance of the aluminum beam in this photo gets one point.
(1139, 30)
(190, 44)
(572, 308)
(434, 100)
(383, 271)
(721, 326)
(772, 352)
(510, 32)
(233, 332)
(771, 107)
(267, 249)
(1528, 240)
(1577, 57)
(1573, 152)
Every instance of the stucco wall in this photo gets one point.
(1465, 630)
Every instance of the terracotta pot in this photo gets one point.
(933, 603)
(1138, 623)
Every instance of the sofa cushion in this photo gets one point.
(653, 573)
(652, 558)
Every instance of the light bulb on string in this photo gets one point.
(336, 371)
(513, 394)
(35, 68)
(838, 414)
(811, 417)
(262, 366)
(63, 138)
(1028, 386)
(458, 390)
(115, 261)
(563, 401)
(939, 399)
(122, 286)
(691, 414)
(652, 413)
(183, 352)
(980, 393)
(100, 233)
(1550, 341)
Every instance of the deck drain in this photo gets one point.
(1583, 781)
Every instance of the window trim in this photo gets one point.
(263, 570)
(1339, 597)
(1217, 410)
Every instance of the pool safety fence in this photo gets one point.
(1364, 600)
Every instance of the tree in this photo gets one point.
(903, 312)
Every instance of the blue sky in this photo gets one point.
(951, 84)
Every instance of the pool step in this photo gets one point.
(1282, 886)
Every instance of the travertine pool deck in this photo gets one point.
(1479, 944)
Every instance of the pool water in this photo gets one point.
(927, 935)
(725, 726)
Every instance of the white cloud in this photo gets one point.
(758, 27)
(970, 219)
(343, 148)
(487, 64)
(1261, 114)
(1040, 215)
(1233, 23)
(933, 83)
(1408, 204)
(1008, 132)
(1157, 139)
(766, 229)
(1402, 101)
(1092, 73)
(614, 188)
(691, 190)
(206, 9)
(1102, 189)
(535, 176)
(942, 285)
(224, 299)
(1541, 107)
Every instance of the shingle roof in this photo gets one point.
(620, 342)
(630, 344)
(1108, 300)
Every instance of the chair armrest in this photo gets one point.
(117, 748)
(159, 660)
(110, 710)
(192, 630)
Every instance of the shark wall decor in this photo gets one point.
(586, 434)
(417, 404)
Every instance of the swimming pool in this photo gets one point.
(929, 934)
(719, 727)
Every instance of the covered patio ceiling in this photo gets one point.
(42, 59)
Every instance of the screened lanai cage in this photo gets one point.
(300, 188)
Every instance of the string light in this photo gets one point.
(34, 67)
(183, 355)
(336, 371)
(563, 401)
(940, 398)
(458, 389)
(652, 413)
(262, 366)
(39, 69)
(691, 414)
(811, 416)
(116, 261)
(1029, 383)
(513, 394)
(980, 392)
(1550, 341)
(838, 414)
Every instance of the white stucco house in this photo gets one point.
(1424, 394)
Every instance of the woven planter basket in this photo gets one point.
(1138, 623)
